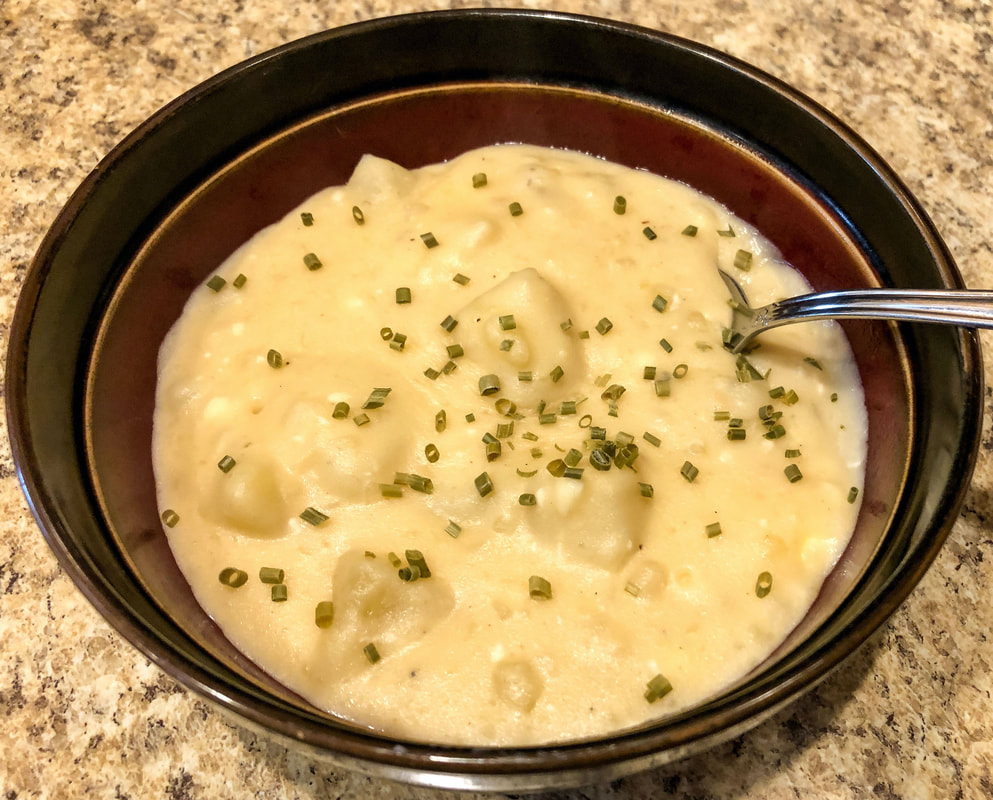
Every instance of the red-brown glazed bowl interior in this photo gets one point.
(172, 201)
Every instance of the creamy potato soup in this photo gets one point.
(459, 454)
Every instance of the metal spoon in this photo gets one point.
(971, 308)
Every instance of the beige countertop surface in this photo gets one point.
(909, 716)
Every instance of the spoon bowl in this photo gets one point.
(970, 308)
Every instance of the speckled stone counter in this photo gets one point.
(910, 716)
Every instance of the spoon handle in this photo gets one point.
(969, 308)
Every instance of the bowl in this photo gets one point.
(236, 153)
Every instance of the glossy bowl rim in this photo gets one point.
(454, 767)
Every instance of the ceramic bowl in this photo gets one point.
(236, 153)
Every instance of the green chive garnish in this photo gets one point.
(377, 398)
(455, 351)
(274, 359)
(632, 589)
(853, 494)
(453, 529)
(791, 397)
(603, 326)
(239, 281)
(341, 410)
(278, 593)
(647, 490)
(432, 373)
(478, 180)
(470, 417)
(312, 262)
(620, 204)
(313, 516)
(792, 453)
(547, 418)
(539, 588)
(489, 384)
(232, 577)
(170, 517)
(659, 303)
(736, 434)
(664, 344)
(460, 279)
(527, 499)
(662, 387)
(680, 370)
(515, 209)
(403, 296)
(226, 464)
(566, 325)
(429, 240)
(793, 473)
(651, 438)
(431, 453)
(713, 529)
(649, 233)
(689, 471)
(690, 230)
(390, 490)
(556, 374)
(324, 614)
(525, 376)
(216, 283)
(398, 341)
(307, 219)
(358, 216)
(729, 233)
(743, 260)
(361, 419)
(371, 653)
(416, 559)
(484, 484)
(440, 421)
(449, 323)
(764, 584)
(658, 687)
(271, 575)
(834, 397)
(813, 362)
(507, 322)
(775, 432)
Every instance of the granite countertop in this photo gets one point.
(909, 716)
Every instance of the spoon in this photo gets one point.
(971, 308)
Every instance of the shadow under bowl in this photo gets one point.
(238, 152)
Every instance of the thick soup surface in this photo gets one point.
(472, 436)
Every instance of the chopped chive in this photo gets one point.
(834, 397)
(813, 362)
(170, 518)
(313, 516)
(791, 397)
(371, 653)
(535, 452)
(506, 344)
(662, 388)
(531, 437)
(792, 453)
(539, 588)
(369, 554)
(449, 323)
(557, 467)
(729, 233)
(394, 559)
(765, 412)
(429, 240)
(431, 453)
(324, 614)
(597, 432)
(573, 457)
(358, 216)
(505, 430)
(556, 374)
(736, 434)
(853, 494)
(568, 408)
(271, 575)
(216, 283)
(689, 471)
(575, 473)
(398, 341)
(505, 407)
(431, 373)
(226, 464)
(793, 473)
(453, 529)
(493, 450)
(632, 589)
(664, 344)
(525, 376)
(620, 205)
(547, 418)
(648, 373)
(403, 296)
(527, 499)
(409, 574)
(713, 529)
(651, 438)
(470, 417)
(420, 484)
(361, 419)
(515, 209)
(478, 180)
(377, 398)
(455, 351)
(690, 230)
(649, 233)
(603, 326)
(312, 262)
(416, 559)
(778, 392)
(386, 334)
(484, 484)
(763, 585)
(390, 490)
(647, 490)
(489, 384)
(526, 473)
(232, 577)
(239, 281)
(743, 260)
(440, 421)
(449, 367)
(586, 421)
(341, 410)
(613, 392)
(460, 279)
(307, 219)
(600, 460)
(736, 422)
(775, 432)
(720, 416)
(566, 325)
(507, 322)
(658, 687)
(278, 593)
(680, 370)
(659, 303)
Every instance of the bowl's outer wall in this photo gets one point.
(94, 242)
